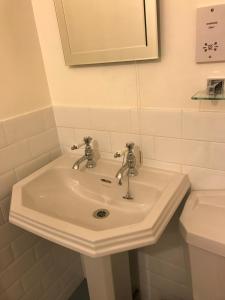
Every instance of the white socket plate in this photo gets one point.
(210, 39)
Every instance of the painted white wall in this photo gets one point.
(23, 81)
(167, 83)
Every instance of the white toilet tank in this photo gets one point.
(202, 225)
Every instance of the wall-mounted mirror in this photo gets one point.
(102, 31)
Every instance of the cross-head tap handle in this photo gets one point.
(87, 140)
(130, 146)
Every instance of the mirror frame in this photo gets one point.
(149, 52)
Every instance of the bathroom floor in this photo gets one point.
(81, 293)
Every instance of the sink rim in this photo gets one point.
(103, 242)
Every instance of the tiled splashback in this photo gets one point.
(187, 141)
(30, 267)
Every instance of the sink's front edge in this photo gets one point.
(73, 243)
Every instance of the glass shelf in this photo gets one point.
(203, 95)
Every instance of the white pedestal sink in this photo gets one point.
(63, 206)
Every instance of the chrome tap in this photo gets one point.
(120, 173)
(129, 165)
(88, 154)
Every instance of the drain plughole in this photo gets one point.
(101, 213)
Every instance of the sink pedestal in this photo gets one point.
(108, 277)
(60, 205)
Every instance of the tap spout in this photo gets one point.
(120, 173)
(76, 165)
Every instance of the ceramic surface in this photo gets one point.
(58, 203)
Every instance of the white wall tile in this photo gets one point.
(35, 293)
(48, 260)
(22, 153)
(7, 180)
(74, 117)
(66, 136)
(64, 256)
(67, 149)
(24, 126)
(6, 258)
(33, 276)
(147, 146)
(33, 165)
(169, 249)
(14, 155)
(4, 207)
(22, 243)
(166, 270)
(135, 121)
(53, 291)
(207, 126)
(118, 120)
(3, 141)
(50, 277)
(69, 273)
(217, 158)
(196, 153)
(43, 142)
(168, 149)
(14, 292)
(2, 221)
(16, 270)
(157, 122)
(55, 153)
(42, 248)
(170, 289)
(7, 156)
(8, 234)
(71, 286)
(119, 140)
(49, 118)
(162, 165)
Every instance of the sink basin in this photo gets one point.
(85, 210)
(73, 197)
